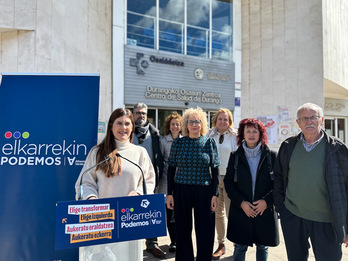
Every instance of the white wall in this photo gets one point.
(335, 28)
(282, 55)
(19, 14)
(237, 56)
(119, 40)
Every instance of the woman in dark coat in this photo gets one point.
(249, 185)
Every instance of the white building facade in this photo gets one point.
(259, 59)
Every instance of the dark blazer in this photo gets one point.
(242, 229)
(158, 163)
(336, 177)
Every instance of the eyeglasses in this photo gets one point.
(140, 113)
(193, 123)
(313, 118)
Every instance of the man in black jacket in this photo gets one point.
(310, 189)
(147, 136)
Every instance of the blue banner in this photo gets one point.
(48, 123)
(101, 221)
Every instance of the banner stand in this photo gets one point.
(48, 123)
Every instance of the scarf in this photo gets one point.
(140, 131)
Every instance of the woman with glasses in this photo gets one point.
(225, 138)
(249, 185)
(193, 186)
(172, 130)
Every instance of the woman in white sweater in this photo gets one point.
(116, 178)
(225, 138)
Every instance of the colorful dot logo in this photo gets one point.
(127, 210)
(8, 134)
(17, 135)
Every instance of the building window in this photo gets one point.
(336, 127)
(171, 25)
(158, 116)
(191, 27)
(198, 16)
(141, 23)
(222, 19)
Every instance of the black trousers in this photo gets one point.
(298, 230)
(171, 225)
(198, 199)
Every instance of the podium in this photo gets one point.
(96, 224)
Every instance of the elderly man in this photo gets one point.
(310, 189)
(147, 136)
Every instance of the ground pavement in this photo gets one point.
(274, 253)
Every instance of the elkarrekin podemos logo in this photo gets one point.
(17, 150)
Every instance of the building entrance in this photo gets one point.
(158, 117)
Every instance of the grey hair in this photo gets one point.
(140, 105)
(311, 106)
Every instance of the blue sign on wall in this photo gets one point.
(48, 123)
(101, 221)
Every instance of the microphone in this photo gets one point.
(142, 173)
(107, 158)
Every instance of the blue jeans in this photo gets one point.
(240, 250)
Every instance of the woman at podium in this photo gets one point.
(114, 176)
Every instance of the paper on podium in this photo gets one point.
(109, 220)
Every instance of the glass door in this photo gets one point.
(330, 126)
(341, 129)
(336, 127)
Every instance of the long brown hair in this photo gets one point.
(108, 146)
